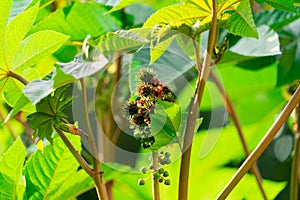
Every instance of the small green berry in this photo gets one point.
(168, 161)
(167, 154)
(166, 174)
(151, 167)
(144, 170)
(161, 170)
(156, 175)
(160, 180)
(141, 182)
(167, 182)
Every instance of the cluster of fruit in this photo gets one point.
(160, 175)
(148, 92)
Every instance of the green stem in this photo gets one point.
(75, 153)
(194, 108)
(155, 183)
(294, 173)
(263, 144)
(231, 111)
(97, 176)
(18, 77)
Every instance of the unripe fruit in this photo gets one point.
(167, 182)
(144, 170)
(161, 170)
(141, 182)
(166, 174)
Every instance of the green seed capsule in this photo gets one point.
(156, 175)
(160, 180)
(166, 174)
(167, 154)
(141, 182)
(144, 170)
(167, 182)
(161, 170)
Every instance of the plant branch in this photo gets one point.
(75, 153)
(231, 111)
(155, 183)
(294, 173)
(263, 144)
(97, 176)
(18, 77)
(196, 102)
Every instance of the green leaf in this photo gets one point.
(82, 19)
(176, 15)
(37, 46)
(5, 7)
(16, 31)
(276, 19)
(49, 111)
(49, 171)
(76, 184)
(288, 66)
(287, 5)
(18, 7)
(12, 185)
(38, 89)
(266, 45)
(80, 68)
(241, 20)
(157, 50)
(122, 4)
(123, 41)
(165, 123)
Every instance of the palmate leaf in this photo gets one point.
(287, 5)
(51, 172)
(241, 20)
(19, 53)
(12, 185)
(49, 111)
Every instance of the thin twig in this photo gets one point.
(99, 183)
(75, 153)
(231, 111)
(194, 108)
(294, 172)
(263, 144)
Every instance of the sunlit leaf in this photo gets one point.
(241, 20)
(51, 172)
(11, 164)
(287, 5)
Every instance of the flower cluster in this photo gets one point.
(148, 92)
